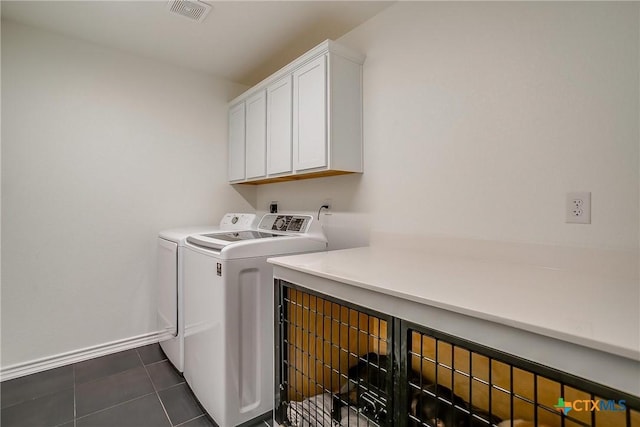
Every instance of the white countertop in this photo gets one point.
(599, 311)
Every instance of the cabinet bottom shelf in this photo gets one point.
(297, 177)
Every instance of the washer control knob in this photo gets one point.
(280, 223)
(234, 220)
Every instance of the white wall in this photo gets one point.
(100, 151)
(479, 117)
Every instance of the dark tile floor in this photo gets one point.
(133, 388)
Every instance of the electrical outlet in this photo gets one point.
(329, 203)
(578, 207)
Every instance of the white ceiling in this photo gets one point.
(243, 41)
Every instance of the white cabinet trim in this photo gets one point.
(236, 171)
(279, 141)
(327, 46)
(310, 110)
(256, 135)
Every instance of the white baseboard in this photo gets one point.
(50, 362)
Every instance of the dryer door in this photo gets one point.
(167, 291)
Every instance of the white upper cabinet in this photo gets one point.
(236, 143)
(256, 135)
(279, 127)
(310, 115)
(304, 121)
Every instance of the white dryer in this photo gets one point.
(170, 313)
(229, 297)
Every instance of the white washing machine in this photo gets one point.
(170, 313)
(228, 289)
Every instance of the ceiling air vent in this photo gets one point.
(194, 10)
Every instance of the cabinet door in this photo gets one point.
(279, 131)
(236, 142)
(256, 136)
(310, 115)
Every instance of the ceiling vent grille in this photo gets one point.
(194, 10)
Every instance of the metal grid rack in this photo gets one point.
(453, 383)
(332, 366)
(338, 364)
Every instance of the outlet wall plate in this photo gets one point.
(578, 207)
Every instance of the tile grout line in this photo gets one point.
(113, 406)
(110, 375)
(117, 404)
(155, 392)
(193, 398)
(37, 396)
(188, 421)
(75, 391)
(31, 399)
(155, 389)
(157, 362)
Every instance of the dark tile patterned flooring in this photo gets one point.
(133, 388)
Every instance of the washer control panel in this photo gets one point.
(286, 223)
